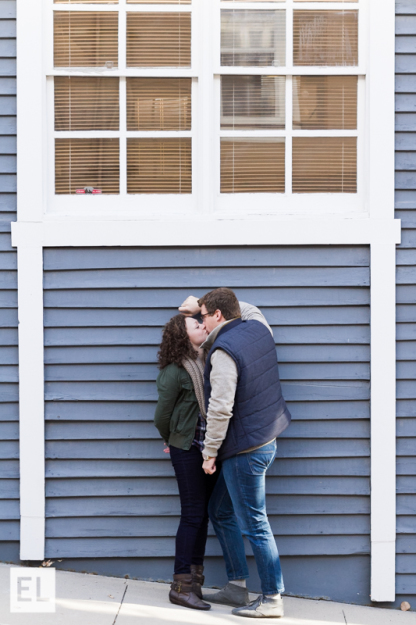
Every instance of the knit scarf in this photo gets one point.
(195, 368)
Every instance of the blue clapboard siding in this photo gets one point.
(111, 494)
(9, 424)
(406, 299)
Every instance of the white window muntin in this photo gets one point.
(231, 204)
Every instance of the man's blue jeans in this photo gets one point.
(238, 506)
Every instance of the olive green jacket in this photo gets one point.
(177, 408)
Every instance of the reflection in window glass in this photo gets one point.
(159, 166)
(324, 165)
(253, 37)
(252, 165)
(81, 163)
(325, 102)
(158, 103)
(325, 38)
(253, 101)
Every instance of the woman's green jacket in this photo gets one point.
(177, 408)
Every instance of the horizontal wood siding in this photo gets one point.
(406, 299)
(9, 414)
(111, 491)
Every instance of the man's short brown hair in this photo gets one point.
(221, 299)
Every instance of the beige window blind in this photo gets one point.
(325, 102)
(325, 38)
(324, 165)
(159, 166)
(159, 103)
(86, 103)
(81, 163)
(159, 2)
(252, 102)
(86, 39)
(252, 165)
(158, 39)
(253, 37)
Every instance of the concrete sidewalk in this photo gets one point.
(97, 600)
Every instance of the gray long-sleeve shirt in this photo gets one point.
(223, 379)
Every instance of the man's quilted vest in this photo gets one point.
(260, 412)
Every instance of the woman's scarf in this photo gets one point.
(195, 368)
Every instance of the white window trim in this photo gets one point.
(376, 227)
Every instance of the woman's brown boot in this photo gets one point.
(197, 579)
(181, 593)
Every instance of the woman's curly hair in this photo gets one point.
(175, 345)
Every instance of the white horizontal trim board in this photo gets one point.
(181, 225)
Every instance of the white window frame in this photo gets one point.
(376, 227)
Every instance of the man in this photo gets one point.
(245, 413)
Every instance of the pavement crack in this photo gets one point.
(343, 614)
(121, 603)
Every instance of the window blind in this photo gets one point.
(252, 102)
(85, 38)
(252, 165)
(325, 102)
(325, 38)
(81, 163)
(324, 165)
(253, 37)
(86, 103)
(159, 103)
(159, 166)
(158, 39)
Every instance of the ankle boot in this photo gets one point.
(181, 593)
(197, 579)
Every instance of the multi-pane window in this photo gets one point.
(283, 109)
(292, 86)
(127, 133)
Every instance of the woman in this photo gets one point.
(181, 420)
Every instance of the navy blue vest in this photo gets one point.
(260, 412)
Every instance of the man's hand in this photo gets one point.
(209, 466)
(190, 306)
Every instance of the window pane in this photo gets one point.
(252, 165)
(159, 1)
(158, 39)
(159, 103)
(325, 38)
(324, 165)
(86, 103)
(85, 1)
(253, 101)
(253, 38)
(253, 1)
(85, 39)
(81, 163)
(159, 166)
(325, 102)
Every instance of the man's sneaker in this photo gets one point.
(231, 594)
(262, 607)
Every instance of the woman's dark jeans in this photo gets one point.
(195, 488)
